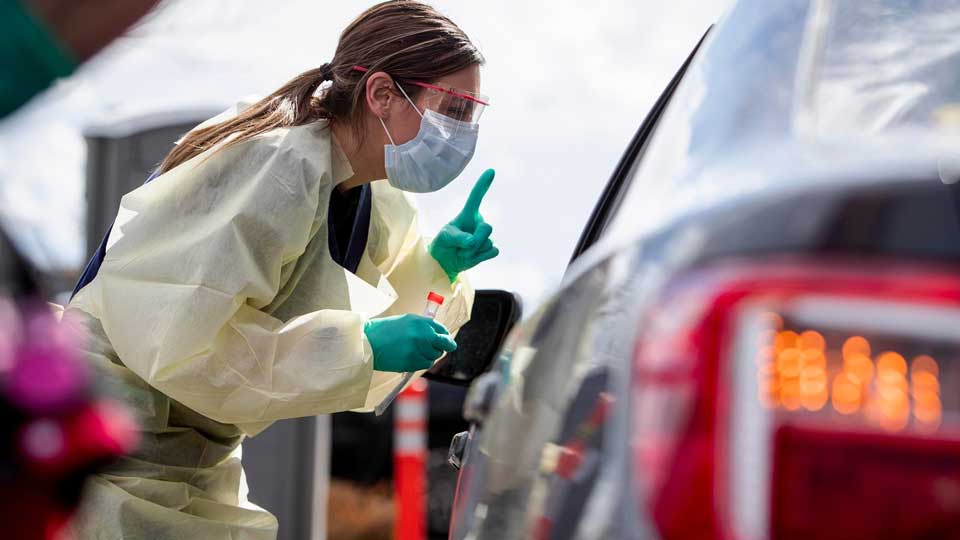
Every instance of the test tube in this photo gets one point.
(434, 301)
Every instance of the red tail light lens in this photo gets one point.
(743, 369)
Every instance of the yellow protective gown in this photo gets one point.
(218, 310)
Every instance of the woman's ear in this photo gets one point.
(380, 94)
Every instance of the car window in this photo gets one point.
(613, 192)
(739, 95)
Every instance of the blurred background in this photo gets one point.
(569, 83)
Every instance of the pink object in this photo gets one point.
(9, 334)
(48, 374)
(42, 440)
(93, 434)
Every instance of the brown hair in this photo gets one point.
(406, 39)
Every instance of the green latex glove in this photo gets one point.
(465, 242)
(407, 342)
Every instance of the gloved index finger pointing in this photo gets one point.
(479, 192)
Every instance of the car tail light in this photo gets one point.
(795, 399)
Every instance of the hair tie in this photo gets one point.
(326, 71)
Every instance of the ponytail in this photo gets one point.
(293, 104)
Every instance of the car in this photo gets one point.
(758, 334)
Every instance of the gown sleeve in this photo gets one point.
(193, 257)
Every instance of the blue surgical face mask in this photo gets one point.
(435, 157)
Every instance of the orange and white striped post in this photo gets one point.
(410, 462)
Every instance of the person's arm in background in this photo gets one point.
(43, 40)
(86, 26)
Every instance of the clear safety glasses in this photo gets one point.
(453, 103)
